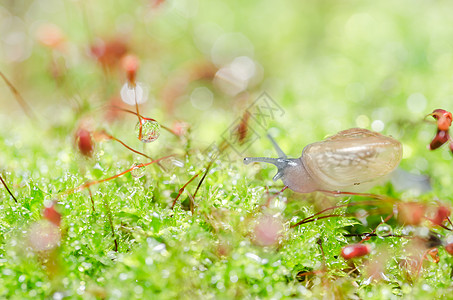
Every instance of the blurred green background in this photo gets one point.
(330, 65)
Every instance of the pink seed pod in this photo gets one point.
(411, 213)
(442, 213)
(268, 231)
(52, 215)
(130, 65)
(441, 138)
(449, 248)
(443, 118)
(84, 142)
(355, 250)
(109, 52)
(50, 35)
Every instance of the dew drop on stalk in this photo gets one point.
(130, 94)
(137, 170)
(150, 130)
(171, 162)
(383, 230)
(408, 230)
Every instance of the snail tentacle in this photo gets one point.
(279, 150)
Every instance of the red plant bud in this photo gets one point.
(109, 53)
(130, 64)
(411, 213)
(441, 215)
(355, 250)
(85, 142)
(451, 147)
(180, 128)
(52, 215)
(156, 3)
(242, 128)
(443, 117)
(449, 248)
(50, 35)
(441, 137)
(268, 231)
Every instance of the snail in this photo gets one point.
(351, 160)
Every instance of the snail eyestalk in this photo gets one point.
(268, 160)
(277, 148)
(280, 163)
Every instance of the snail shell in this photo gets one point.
(351, 157)
(351, 160)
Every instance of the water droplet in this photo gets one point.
(377, 125)
(201, 98)
(408, 230)
(137, 170)
(383, 230)
(150, 130)
(416, 102)
(130, 94)
(171, 162)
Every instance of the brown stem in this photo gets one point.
(382, 222)
(183, 187)
(449, 221)
(323, 255)
(140, 134)
(191, 203)
(316, 219)
(331, 208)
(131, 112)
(310, 273)
(6, 186)
(202, 178)
(145, 118)
(419, 268)
(122, 143)
(440, 225)
(91, 198)
(90, 183)
(222, 147)
(110, 218)
(270, 198)
(369, 234)
(26, 108)
(339, 193)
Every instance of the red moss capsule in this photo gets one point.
(441, 138)
(109, 53)
(52, 215)
(50, 35)
(411, 213)
(242, 128)
(84, 142)
(443, 118)
(268, 231)
(449, 248)
(180, 128)
(441, 215)
(130, 64)
(355, 250)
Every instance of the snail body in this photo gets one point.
(351, 160)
